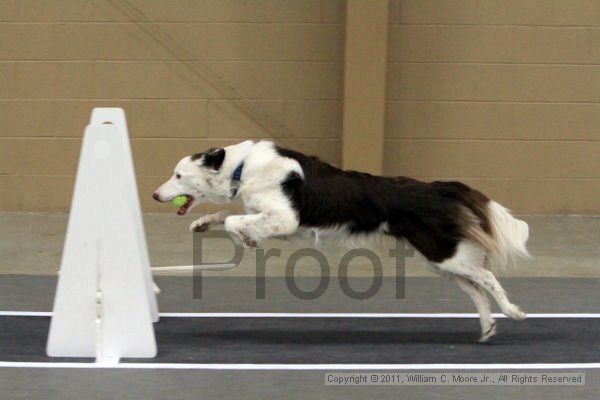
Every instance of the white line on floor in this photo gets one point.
(362, 315)
(320, 315)
(200, 267)
(330, 367)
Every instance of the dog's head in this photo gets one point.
(198, 177)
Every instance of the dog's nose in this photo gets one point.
(155, 197)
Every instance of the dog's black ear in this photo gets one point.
(213, 158)
(196, 156)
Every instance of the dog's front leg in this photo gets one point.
(250, 229)
(203, 223)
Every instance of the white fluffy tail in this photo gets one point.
(509, 234)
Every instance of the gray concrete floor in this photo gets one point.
(238, 294)
(565, 248)
(31, 243)
(179, 385)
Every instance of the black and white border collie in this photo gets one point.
(457, 230)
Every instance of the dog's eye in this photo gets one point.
(178, 176)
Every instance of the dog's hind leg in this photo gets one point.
(488, 324)
(488, 281)
(468, 262)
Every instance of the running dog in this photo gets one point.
(458, 231)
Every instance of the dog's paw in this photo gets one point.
(199, 225)
(489, 333)
(514, 312)
(245, 240)
(248, 242)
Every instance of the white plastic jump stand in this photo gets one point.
(105, 300)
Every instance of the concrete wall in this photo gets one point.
(504, 95)
(60, 58)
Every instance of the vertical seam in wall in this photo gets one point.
(438, 51)
(589, 45)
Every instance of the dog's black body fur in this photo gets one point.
(429, 215)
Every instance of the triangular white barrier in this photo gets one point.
(105, 302)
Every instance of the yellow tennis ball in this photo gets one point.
(179, 201)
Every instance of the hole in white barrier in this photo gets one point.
(107, 123)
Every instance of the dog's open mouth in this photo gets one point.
(186, 206)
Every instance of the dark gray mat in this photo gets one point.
(237, 294)
(335, 340)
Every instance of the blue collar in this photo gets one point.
(235, 180)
